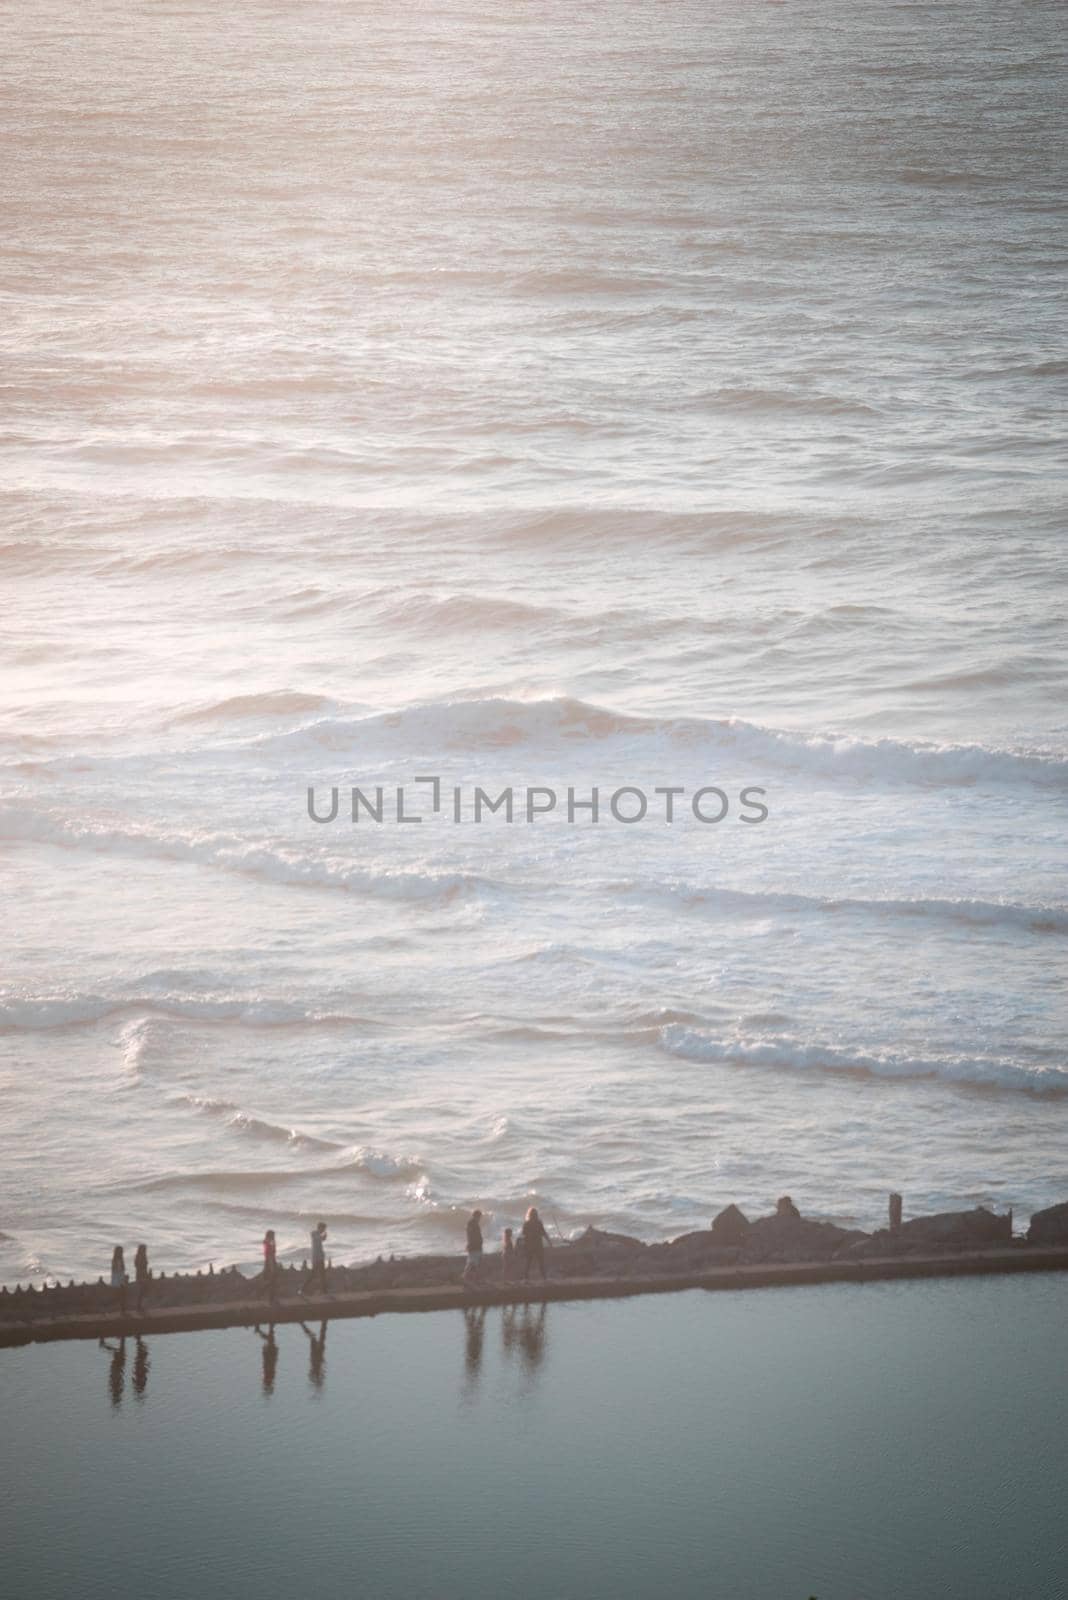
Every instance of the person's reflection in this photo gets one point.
(141, 1367)
(475, 1329)
(117, 1370)
(523, 1331)
(270, 1357)
(316, 1355)
(474, 1341)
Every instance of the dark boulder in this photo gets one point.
(693, 1252)
(597, 1240)
(598, 1254)
(783, 1237)
(960, 1230)
(730, 1227)
(1049, 1226)
(941, 1234)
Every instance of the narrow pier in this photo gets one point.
(41, 1317)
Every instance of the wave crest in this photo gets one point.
(273, 703)
(791, 1054)
(275, 864)
(498, 723)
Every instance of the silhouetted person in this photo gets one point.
(317, 1275)
(472, 1273)
(508, 1256)
(317, 1355)
(117, 1369)
(270, 1358)
(119, 1279)
(535, 1239)
(140, 1368)
(142, 1276)
(785, 1207)
(270, 1264)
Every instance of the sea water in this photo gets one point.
(536, 397)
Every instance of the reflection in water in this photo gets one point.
(117, 1368)
(270, 1357)
(524, 1329)
(141, 1367)
(475, 1325)
(474, 1339)
(317, 1355)
(523, 1333)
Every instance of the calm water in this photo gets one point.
(637, 394)
(856, 1444)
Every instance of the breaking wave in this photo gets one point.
(562, 722)
(757, 903)
(796, 1055)
(73, 1010)
(243, 1122)
(358, 1159)
(276, 703)
(274, 864)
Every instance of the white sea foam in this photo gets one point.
(561, 722)
(344, 1167)
(792, 1054)
(65, 1010)
(380, 1164)
(244, 1122)
(1042, 917)
(273, 863)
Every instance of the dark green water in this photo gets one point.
(906, 1440)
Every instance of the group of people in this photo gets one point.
(533, 1237)
(316, 1279)
(120, 1278)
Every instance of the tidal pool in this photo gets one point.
(903, 1440)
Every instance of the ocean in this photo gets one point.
(536, 399)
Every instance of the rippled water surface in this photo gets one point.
(883, 1441)
(663, 396)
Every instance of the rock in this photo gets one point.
(692, 1251)
(941, 1234)
(731, 1226)
(784, 1237)
(597, 1240)
(1049, 1226)
(956, 1229)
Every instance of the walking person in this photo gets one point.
(119, 1278)
(535, 1239)
(270, 1265)
(317, 1275)
(472, 1272)
(142, 1276)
